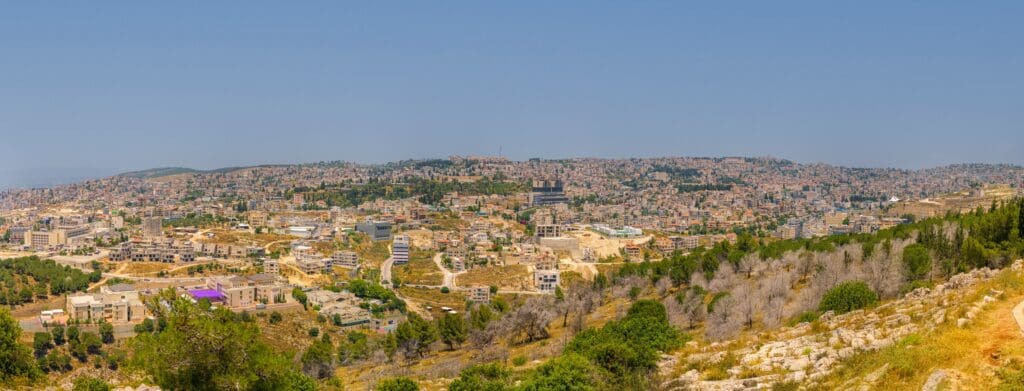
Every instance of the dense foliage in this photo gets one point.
(15, 359)
(981, 238)
(628, 348)
(397, 384)
(27, 278)
(371, 290)
(848, 296)
(201, 348)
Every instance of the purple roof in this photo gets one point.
(209, 294)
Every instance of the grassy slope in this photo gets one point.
(971, 356)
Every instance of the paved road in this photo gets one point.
(1018, 315)
(154, 279)
(449, 277)
(121, 330)
(385, 271)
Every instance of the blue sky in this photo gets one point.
(93, 88)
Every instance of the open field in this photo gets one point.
(144, 268)
(434, 297)
(515, 277)
(372, 254)
(421, 269)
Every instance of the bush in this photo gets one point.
(87, 383)
(484, 377)
(628, 348)
(275, 317)
(445, 289)
(806, 317)
(848, 296)
(397, 384)
(519, 361)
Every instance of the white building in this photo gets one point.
(400, 250)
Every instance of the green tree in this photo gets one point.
(145, 327)
(15, 358)
(107, 332)
(917, 261)
(56, 361)
(479, 316)
(570, 372)
(318, 360)
(299, 296)
(275, 317)
(58, 335)
(390, 345)
(415, 335)
(452, 329)
(42, 342)
(202, 348)
(848, 296)
(91, 341)
(484, 377)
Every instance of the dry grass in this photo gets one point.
(434, 297)
(372, 254)
(971, 356)
(32, 309)
(144, 268)
(513, 277)
(420, 270)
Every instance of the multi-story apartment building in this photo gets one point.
(115, 304)
(241, 291)
(376, 230)
(546, 280)
(479, 294)
(345, 258)
(152, 227)
(400, 250)
(271, 266)
(548, 231)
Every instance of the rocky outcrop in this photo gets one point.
(807, 354)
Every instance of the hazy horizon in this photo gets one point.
(55, 176)
(93, 90)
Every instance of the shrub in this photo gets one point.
(519, 361)
(87, 383)
(806, 317)
(484, 377)
(848, 296)
(397, 384)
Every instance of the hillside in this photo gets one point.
(157, 172)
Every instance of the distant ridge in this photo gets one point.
(157, 172)
(167, 171)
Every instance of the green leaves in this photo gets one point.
(452, 329)
(848, 296)
(209, 349)
(628, 348)
(15, 358)
(917, 261)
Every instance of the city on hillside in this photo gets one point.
(488, 248)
